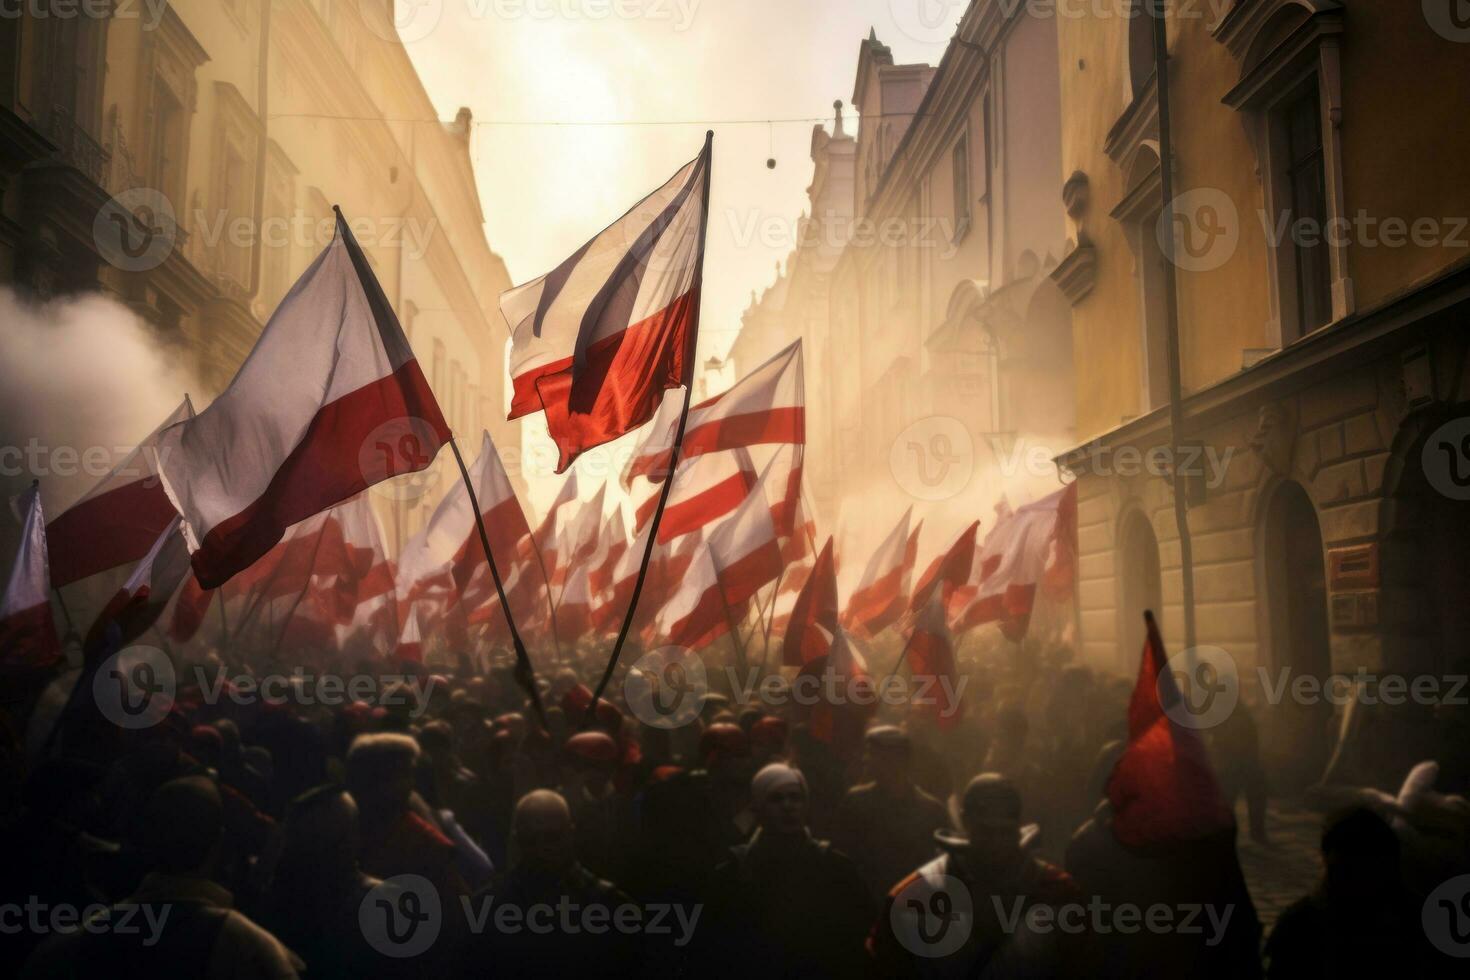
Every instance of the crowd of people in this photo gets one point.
(467, 831)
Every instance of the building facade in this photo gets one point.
(185, 158)
(1323, 287)
(940, 312)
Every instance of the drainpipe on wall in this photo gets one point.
(262, 97)
(1156, 9)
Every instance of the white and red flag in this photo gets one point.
(579, 537)
(1010, 566)
(141, 600)
(706, 489)
(330, 402)
(27, 631)
(574, 611)
(595, 342)
(745, 549)
(882, 595)
(765, 407)
(612, 544)
(452, 537)
(546, 536)
(411, 641)
(695, 613)
(119, 519)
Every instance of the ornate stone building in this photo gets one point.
(188, 166)
(940, 302)
(1323, 288)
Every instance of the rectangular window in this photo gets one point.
(1306, 185)
(960, 164)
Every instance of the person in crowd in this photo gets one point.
(317, 888)
(185, 923)
(1359, 921)
(888, 824)
(548, 916)
(786, 904)
(989, 894)
(398, 836)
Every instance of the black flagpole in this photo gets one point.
(663, 497)
(525, 673)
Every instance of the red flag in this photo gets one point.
(881, 597)
(119, 519)
(841, 723)
(931, 658)
(814, 616)
(330, 402)
(595, 343)
(1163, 788)
(27, 632)
(948, 571)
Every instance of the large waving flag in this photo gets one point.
(881, 596)
(119, 519)
(765, 407)
(595, 342)
(1163, 788)
(27, 631)
(330, 402)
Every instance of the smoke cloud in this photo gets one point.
(82, 381)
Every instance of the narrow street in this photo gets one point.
(1289, 867)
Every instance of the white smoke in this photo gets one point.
(82, 381)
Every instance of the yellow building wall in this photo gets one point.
(1400, 159)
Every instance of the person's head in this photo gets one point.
(778, 798)
(887, 753)
(990, 811)
(1360, 854)
(436, 739)
(380, 773)
(180, 827)
(544, 833)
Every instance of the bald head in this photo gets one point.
(543, 831)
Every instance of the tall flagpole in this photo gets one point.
(674, 450)
(525, 673)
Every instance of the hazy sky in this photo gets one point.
(691, 65)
